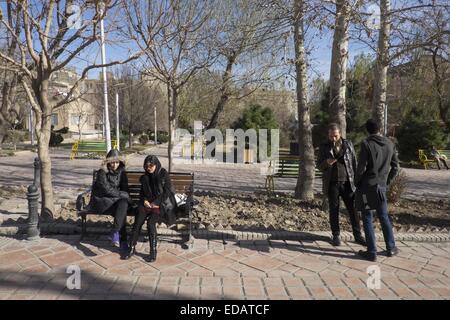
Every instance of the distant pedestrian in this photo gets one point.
(438, 157)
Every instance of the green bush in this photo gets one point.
(55, 139)
(256, 117)
(417, 133)
(143, 139)
(123, 140)
(163, 136)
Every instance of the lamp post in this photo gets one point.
(101, 6)
(117, 112)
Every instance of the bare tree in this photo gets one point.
(46, 43)
(396, 37)
(338, 68)
(438, 23)
(174, 35)
(10, 81)
(248, 38)
(304, 189)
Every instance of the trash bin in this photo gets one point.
(248, 156)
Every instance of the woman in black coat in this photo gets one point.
(157, 203)
(110, 195)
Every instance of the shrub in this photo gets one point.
(417, 133)
(15, 136)
(55, 139)
(143, 139)
(397, 187)
(123, 140)
(163, 137)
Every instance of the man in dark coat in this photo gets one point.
(337, 160)
(110, 195)
(377, 166)
(157, 203)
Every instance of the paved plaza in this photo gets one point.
(211, 269)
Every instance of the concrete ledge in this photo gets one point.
(66, 228)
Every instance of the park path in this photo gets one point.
(266, 269)
(71, 176)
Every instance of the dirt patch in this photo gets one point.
(284, 212)
(260, 211)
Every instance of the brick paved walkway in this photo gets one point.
(211, 270)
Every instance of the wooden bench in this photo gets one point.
(182, 183)
(286, 166)
(96, 147)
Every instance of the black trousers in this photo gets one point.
(119, 211)
(141, 217)
(342, 189)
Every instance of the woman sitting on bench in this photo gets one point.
(110, 195)
(157, 203)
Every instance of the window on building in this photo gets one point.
(55, 119)
(75, 119)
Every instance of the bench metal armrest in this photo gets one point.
(80, 204)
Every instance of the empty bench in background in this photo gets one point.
(90, 147)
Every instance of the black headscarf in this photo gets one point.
(153, 178)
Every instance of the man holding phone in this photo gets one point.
(337, 160)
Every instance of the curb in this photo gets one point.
(70, 229)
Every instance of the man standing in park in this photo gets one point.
(337, 160)
(377, 167)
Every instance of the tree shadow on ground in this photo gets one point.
(92, 287)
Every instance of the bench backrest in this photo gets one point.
(181, 183)
(93, 145)
(445, 153)
(287, 166)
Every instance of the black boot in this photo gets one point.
(359, 239)
(153, 239)
(130, 252)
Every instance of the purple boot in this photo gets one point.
(115, 239)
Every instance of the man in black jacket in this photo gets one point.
(377, 166)
(337, 160)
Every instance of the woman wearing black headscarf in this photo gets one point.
(157, 203)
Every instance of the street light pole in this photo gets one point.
(117, 121)
(156, 128)
(105, 85)
(31, 127)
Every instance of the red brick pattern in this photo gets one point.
(273, 270)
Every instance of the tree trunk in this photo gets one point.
(172, 96)
(444, 106)
(381, 68)
(43, 136)
(130, 138)
(304, 189)
(225, 92)
(338, 71)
